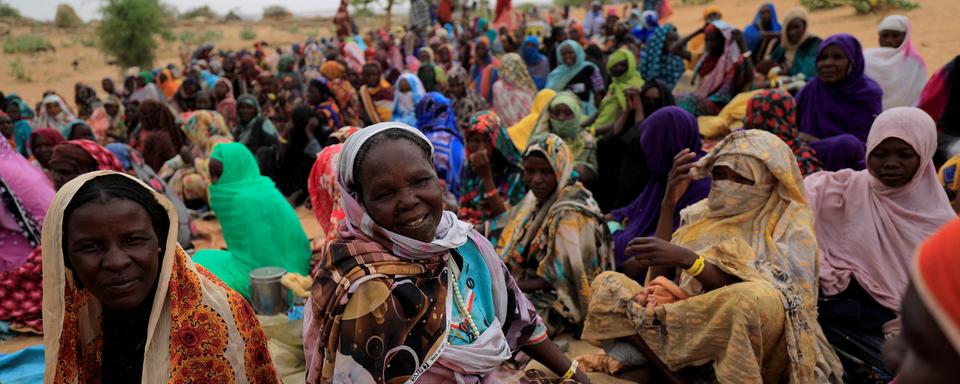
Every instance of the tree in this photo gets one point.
(66, 17)
(129, 29)
(9, 11)
(364, 8)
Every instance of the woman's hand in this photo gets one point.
(808, 138)
(654, 252)
(480, 164)
(680, 177)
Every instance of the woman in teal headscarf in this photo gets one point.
(22, 115)
(260, 227)
(622, 66)
(576, 74)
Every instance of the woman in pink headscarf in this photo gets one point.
(869, 224)
(897, 65)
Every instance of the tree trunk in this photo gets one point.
(389, 13)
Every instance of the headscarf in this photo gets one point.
(85, 156)
(377, 102)
(247, 133)
(657, 62)
(21, 128)
(728, 61)
(558, 79)
(324, 194)
(51, 135)
(514, 93)
(615, 102)
(189, 305)
(469, 104)
(228, 106)
(509, 181)
(729, 119)
(901, 72)
(666, 96)
(484, 70)
(849, 106)
(435, 118)
(514, 71)
(664, 134)
(935, 278)
(103, 124)
(574, 138)
(405, 104)
(869, 231)
(25, 194)
(647, 23)
(763, 233)
(751, 34)
(204, 129)
(67, 130)
(941, 97)
(58, 122)
(435, 113)
(789, 48)
(521, 132)
(168, 85)
(775, 111)
(531, 51)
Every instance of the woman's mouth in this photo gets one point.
(419, 221)
(120, 284)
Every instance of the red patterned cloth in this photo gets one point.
(105, 159)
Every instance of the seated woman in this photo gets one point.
(302, 143)
(928, 350)
(258, 134)
(576, 74)
(537, 64)
(775, 111)
(41, 144)
(795, 51)
(376, 95)
(521, 132)
(663, 135)
(722, 71)
(159, 137)
(247, 203)
(483, 71)
(123, 303)
(406, 94)
(869, 224)
(435, 119)
(897, 65)
(54, 114)
(492, 180)
(513, 93)
(563, 118)
(836, 109)
(623, 73)
(941, 99)
(79, 130)
(399, 250)
(75, 157)
(745, 258)
(764, 26)
(657, 61)
(466, 101)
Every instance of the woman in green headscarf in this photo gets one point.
(563, 117)
(260, 227)
(623, 71)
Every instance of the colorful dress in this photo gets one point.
(509, 181)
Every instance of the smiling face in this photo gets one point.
(832, 64)
(568, 55)
(893, 162)
(892, 39)
(408, 198)
(538, 176)
(112, 247)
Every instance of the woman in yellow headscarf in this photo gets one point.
(622, 66)
(521, 131)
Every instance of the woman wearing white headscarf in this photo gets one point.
(407, 92)
(54, 114)
(897, 65)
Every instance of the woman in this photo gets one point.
(167, 83)
(796, 48)
(841, 101)
(323, 101)
(897, 65)
(53, 114)
(745, 259)
(343, 91)
(722, 71)
(459, 336)
(21, 116)
(203, 130)
(139, 322)
(407, 93)
(483, 71)
(466, 101)
(492, 180)
(226, 102)
(42, 142)
(258, 134)
(623, 72)
(775, 111)
(657, 62)
(764, 25)
(159, 138)
(445, 58)
(554, 242)
(575, 74)
(185, 100)
(869, 224)
(537, 64)
(300, 152)
(72, 158)
(107, 121)
(663, 135)
(77, 130)
(435, 119)
(521, 132)
(85, 99)
(513, 92)
(280, 241)
(324, 194)
(562, 118)
(432, 75)
(376, 95)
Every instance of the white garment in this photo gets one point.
(901, 72)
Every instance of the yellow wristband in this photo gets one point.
(697, 266)
(572, 370)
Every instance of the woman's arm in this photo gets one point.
(679, 47)
(547, 353)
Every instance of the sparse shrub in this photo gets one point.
(26, 44)
(9, 11)
(276, 12)
(201, 11)
(67, 17)
(248, 33)
(128, 31)
(18, 71)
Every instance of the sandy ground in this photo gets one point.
(935, 33)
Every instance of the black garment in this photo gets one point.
(623, 169)
(122, 359)
(264, 147)
(949, 122)
(581, 85)
(853, 324)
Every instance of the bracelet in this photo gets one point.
(572, 370)
(697, 266)
(491, 194)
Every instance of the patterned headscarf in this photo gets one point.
(775, 111)
(514, 71)
(80, 152)
(657, 63)
(509, 184)
(435, 113)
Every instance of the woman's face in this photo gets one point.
(832, 64)
(574, 34)
(568, 55)
(404, 85)
(713, 43)
(13, 110)
(443, 54)
(795, 30)
(204, 102)
(721, 172)
(407, 199)
(477, 142)
(190, 90)
(6, 126)
(42, 149)
(893, 162)
(53, 109)
(618, 68)
(892, 39)
(220, 90)
(561, 112)
(114, 251)
(456, 88)
(371, 76)
(650, 98)
(108, 86)
(112, 109)
(424, 57)
(482, 50)
(313, 95)
(246, 112)
(539, 177)
(925, 355)
(766, 15)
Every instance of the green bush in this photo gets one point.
(8, 11)
(862, 6)
(67, 17)
(204, 36)
(128, 30)
(18, 71)
(88, 42)
(696, 2)
(363, 12)
(26, 44)
(201, 11)
(248, 33)
(168, 36)
(276, 12)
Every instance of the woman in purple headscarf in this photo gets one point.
(836, 108)
(666, 133)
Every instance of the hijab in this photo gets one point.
(849, 106)
(521, 132)
(789, 48)
(657, 62)
(25, 194)
(571, 134)
(58, 122)
(405, 104)
(615, 102)
(752, 33)
(531, 51)
(513, 71)
(901, 72)
(558, 79)
(435, 113)
(869, 231)
(228, 106)
(728, 60)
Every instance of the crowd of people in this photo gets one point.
(733, 205)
